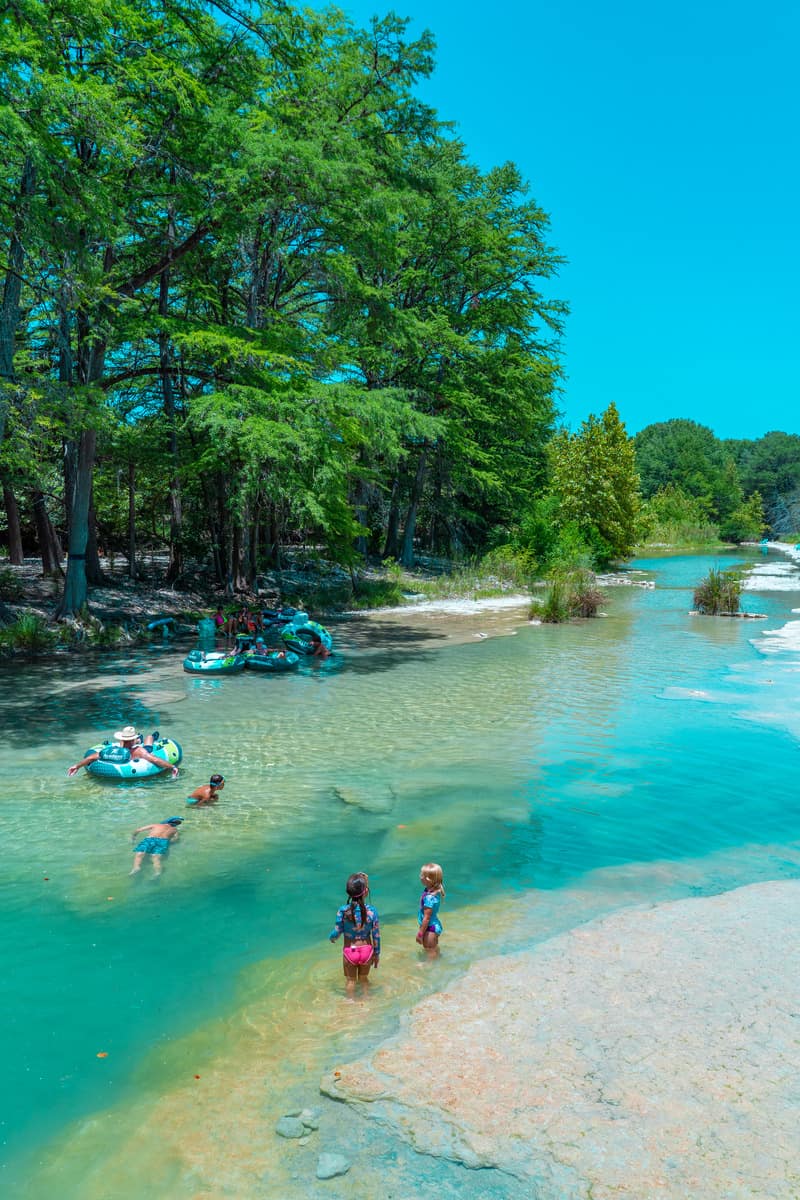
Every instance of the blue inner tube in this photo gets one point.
(215, 662)
(276, 660)
(115, 762)
(298, 637)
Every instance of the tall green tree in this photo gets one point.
(594, 477)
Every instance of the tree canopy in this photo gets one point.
(255, 290)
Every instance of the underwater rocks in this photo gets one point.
(298, 1123)
(380, 799)
(654, 1053)
(331, 1165)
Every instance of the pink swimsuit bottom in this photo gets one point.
(358, 956)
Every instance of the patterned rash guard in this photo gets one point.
(370, 931)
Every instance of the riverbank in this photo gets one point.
(652, 1053)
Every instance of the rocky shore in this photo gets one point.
(653, 1053)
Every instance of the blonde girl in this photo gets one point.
(430, 876)
(358, 923)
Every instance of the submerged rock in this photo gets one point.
(330, 1165)
(380, 799)
(651, 1053)
(290, 1127)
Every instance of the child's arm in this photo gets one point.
(143, 829)
(376, 939)
(338, 928)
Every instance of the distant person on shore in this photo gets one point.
(319, 650)
(358, 923)
(207, 793)
(430, 927)
(130, 740)
(219, 618)
(156, 843)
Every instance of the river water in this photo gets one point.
(556, 772)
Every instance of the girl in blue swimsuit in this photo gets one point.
(430, 876)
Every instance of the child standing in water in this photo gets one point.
(430, 876)
(358, 922)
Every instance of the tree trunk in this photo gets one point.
(255, 538)
(49, 544)
(131, 519)
(15, 554)
(238, 568)
(70, 472)
(75, 585)
(407, 552)
(360, 503)
(94, 572)
(12, 289)
(391, 548)
(168, 397)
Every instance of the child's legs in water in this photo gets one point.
(431, 943)
(350, 976)
(353, 972)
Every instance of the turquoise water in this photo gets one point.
(542, 763)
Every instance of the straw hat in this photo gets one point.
(128, 734)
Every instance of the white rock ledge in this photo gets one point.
(651, 1054)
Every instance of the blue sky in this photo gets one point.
(662, 141)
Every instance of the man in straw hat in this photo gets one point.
(129, 739)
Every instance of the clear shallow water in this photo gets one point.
(643, 755)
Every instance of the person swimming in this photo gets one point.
(207, 793)
(156, 844)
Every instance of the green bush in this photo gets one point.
(28, 633)
(11, 588)
(719, 592)
(673, 518)
(570, 593)
(102, 636)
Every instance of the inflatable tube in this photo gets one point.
(115, 761)
(213, 662)
(275, 660)
(298, 637)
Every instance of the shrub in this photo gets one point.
(719, 592)
(104, 636)
(28, 633)
(11, 588)
(570, 593)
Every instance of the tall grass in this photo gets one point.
(720, 592)
(570, 593)
(29, 634)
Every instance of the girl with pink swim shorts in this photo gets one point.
(358, 923)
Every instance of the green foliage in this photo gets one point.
(594, 477)
(769, 465)
(11, 588)
(102, 636)
(570, 593)
(719, 592)
(29, 633)
(269, 280)
(378, 593)
(690, 458)
(746, 523)
(671, 517)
